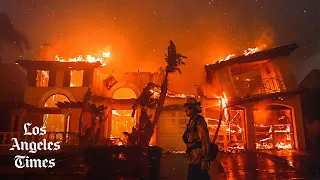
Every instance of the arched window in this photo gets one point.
(124, 93)
(55, 122)
(52, 100)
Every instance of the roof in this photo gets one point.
(311, 80)
(48, 65)
(258, 56)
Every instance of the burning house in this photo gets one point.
(50, 82)
(255, 93)
(262, 101)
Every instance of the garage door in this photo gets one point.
(171, 127)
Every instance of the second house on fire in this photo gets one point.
(263, 100)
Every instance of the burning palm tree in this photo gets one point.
(146, 100)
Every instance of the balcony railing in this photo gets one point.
(66, 138)
(265, 86)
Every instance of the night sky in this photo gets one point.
(137, 32)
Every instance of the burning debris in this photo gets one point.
(109, 82)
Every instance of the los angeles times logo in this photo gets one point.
(23, 161)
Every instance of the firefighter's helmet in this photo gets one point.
(193, 103)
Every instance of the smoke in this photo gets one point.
(139, 35)
(9, 35)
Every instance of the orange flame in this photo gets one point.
(88, 58)
(245, 52)
(250, 51)
(227, 58)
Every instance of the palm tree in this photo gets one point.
(97, 116)
(173, 60)
(145, 100)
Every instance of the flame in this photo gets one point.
(250, 51)
(227, 58)
(42, 78)
(76, 79)
(245, 52)
(102, 58)
(277, 136)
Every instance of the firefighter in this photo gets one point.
(196, 137)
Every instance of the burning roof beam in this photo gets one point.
(258, 56)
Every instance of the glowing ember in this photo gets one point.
(281, 145)
(88, 58)
(264, 146)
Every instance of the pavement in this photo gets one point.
(229, 166)
(247, 166)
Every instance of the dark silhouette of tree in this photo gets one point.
(9, 35)
(146, 100)
(91, 134)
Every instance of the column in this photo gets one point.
(19, 126)
(66, 129)
(19, 123)
(12, 122)
(299, 135)
(250, 130)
